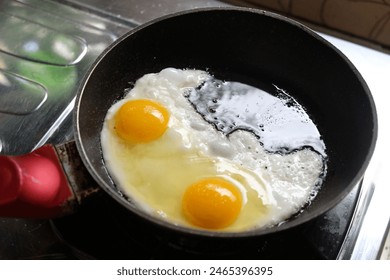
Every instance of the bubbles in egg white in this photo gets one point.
(155, 174)
(280, 122)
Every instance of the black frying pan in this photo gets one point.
(250, 46)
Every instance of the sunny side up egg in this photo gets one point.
(173, 164)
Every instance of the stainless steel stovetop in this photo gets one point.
(72, 35)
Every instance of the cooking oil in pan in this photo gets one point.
(279, 121)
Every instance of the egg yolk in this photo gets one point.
(212, 203)
(141, 120)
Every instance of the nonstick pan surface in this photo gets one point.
(250, 46)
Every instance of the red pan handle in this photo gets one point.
(46, 183)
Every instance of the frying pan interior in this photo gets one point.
(249, 46)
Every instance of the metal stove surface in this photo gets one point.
(354, 229)
(45, 49)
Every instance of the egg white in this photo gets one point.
(155, 174)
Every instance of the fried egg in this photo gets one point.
(161, 151)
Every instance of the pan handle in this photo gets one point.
(46, 183)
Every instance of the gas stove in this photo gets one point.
(100, 228)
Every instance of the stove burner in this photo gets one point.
(103, 229)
